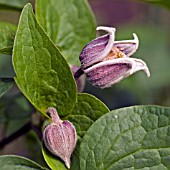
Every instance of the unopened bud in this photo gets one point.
(60, 137)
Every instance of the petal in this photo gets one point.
(97, 49)
(128, 47)
(107, 73)
(139, 65)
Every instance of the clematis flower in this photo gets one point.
(106, 61)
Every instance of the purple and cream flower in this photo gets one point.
(106, 61)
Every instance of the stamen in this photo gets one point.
(114, 53)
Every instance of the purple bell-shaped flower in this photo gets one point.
(106, 61)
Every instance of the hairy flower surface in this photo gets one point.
(60, 137)
(106, 61)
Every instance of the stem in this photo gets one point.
(7, 80)
(54, 115)
(38, 131)
(78, 73)
(26, 128)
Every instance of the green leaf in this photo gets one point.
(86, 110)
(12, 162)
(75, 165)
(42, 73)
(56, 164)
(137, 137)
(69, 23)
(165, 3)
(5, 86)
(7, 34)
(15, 112)
(53, 162)
(13, 4)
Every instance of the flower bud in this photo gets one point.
(60, 137)
(106, 61)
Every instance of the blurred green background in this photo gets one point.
(152, 25)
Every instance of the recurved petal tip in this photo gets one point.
(110, 30)
(136, 40)
(147, 72)
(138, 65)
